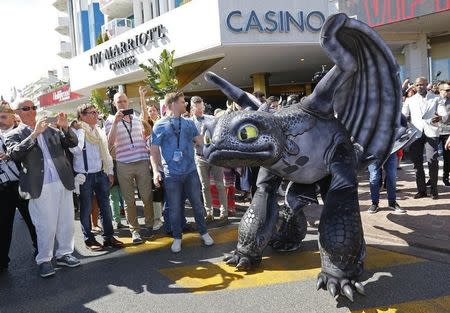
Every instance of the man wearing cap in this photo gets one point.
(46, 179)
(9, 191)
(204, 168)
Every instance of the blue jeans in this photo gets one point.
(97, 183)
(390, 172)
(166, 210)
(181, 186)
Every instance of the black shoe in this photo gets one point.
(428, 183)
(373, 209)
(420, 195)
(147, 233)
(435, 196)
(93, 245)
(113, 242)
(394, 206)
(446, 182)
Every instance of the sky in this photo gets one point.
(29, 42)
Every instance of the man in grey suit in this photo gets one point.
(46, 179)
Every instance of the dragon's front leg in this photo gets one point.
(341, 242)
(257, 224)
(292, 224)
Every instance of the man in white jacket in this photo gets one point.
(425, 111)
(91, 157)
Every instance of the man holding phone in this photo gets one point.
(125, 133)
(46, 179)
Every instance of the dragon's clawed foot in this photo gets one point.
(336, 286)
(241, 261)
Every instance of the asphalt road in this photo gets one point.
(149, 278)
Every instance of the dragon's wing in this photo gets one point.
(363, 89)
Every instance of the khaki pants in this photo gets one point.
(138, 172)
(204, 169)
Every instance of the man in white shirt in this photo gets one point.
(91, 157)
(425, 110)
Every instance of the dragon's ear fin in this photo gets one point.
(244, 99)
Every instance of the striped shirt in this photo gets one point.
(130, 147)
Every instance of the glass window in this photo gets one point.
(121, 22)
(443, 66)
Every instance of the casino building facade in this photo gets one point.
(258, 45)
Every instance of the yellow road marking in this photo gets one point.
(437, 305)
(220, 235)
(278, 268)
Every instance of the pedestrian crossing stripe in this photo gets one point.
(220, 235)
(437, 305)
(275, 269)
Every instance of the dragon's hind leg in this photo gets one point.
(292, 226)
(258, 223)
(341, 242)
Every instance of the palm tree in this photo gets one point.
(161, 76)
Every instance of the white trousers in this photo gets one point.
(52, 215)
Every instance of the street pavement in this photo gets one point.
(407, 270)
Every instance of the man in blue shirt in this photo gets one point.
(172, 148)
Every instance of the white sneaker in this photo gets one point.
(176, 246)
(157, 224)
(136, 237)
(207, 240)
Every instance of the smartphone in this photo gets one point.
(51, 119)
(128, 112)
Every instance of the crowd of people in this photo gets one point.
(48, 166)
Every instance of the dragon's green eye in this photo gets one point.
(247, 132)
(207, 138)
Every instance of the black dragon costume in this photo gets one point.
(350, 120)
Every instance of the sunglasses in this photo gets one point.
(34, 108)
(91, 113)
(446, 90)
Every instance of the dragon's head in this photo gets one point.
(242, 138)
(245, 138)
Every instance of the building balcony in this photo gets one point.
(63, 25)
(65, 50)
(116, 8)
(60, 5)
(117, 26)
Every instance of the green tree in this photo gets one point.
(98, 102)
(161, 75)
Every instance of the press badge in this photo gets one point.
(177, 155)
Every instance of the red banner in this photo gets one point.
(381, 12)
(57, 96)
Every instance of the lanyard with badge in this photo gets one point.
(177, 154)
(129, 131)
